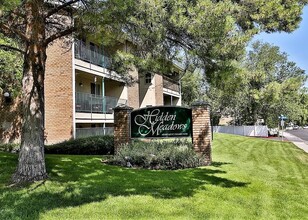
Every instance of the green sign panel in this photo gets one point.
(167, 121)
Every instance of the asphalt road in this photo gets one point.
(301, 133)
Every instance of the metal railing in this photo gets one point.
(97, 131)
(93, 55)
(90, 103)
(171, 84)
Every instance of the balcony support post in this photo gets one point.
(103, 95)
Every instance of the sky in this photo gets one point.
(295, 44)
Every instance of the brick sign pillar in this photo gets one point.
(201, 130)
(121, 126)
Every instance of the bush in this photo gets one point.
(98, 145)
(158, 155)
(13, 148)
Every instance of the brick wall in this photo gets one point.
(121, 126)
(202, 131)
(10, 121)
(58, 94)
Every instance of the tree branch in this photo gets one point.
(60, 7)
(181, 43)
(10, 48)
(59, 34)
(8, 30)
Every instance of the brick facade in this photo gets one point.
(201, 133)
(58, 94)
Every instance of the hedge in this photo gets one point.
(97, 145)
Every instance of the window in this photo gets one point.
(95, 89)
(148, 78)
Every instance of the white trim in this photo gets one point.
(89, 121)
(171, 92)
(80, 116)
(74, 88)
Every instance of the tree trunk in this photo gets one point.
(31, 162)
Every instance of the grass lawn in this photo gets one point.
(250, 178)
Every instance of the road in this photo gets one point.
(301, 133)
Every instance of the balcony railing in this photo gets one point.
(93, 55)
(171, 84)
(90, 103)
(88, 132)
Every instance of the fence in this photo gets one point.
(256, 131)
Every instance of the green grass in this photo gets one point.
(250, 179)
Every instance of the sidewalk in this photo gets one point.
(300, 143)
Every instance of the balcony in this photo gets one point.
(90, 103)
(88, 132)
(171, 84)
(92, 54)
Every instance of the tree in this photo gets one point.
(303, 116)
(265, 85)
(35, 24)
(191, 88)
(274, 84)
(210, 34)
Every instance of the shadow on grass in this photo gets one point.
(75, 181)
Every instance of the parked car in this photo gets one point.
(305, 126)
(295, 127)
(273, 132)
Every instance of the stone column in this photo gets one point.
(121, 126)
(201, 131)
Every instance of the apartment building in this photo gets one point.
(81, 91)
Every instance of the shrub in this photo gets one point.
(158, 155)
(13, 148)
(97, 145)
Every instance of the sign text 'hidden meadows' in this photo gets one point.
(167, 121)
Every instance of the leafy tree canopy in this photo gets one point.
(265, 85)
(201, 33)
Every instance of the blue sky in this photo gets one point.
(294, 44)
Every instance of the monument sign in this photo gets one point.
(162, 121)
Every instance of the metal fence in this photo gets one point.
(97, 131)
(257, 131)
(90, 103)
(93, 54)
